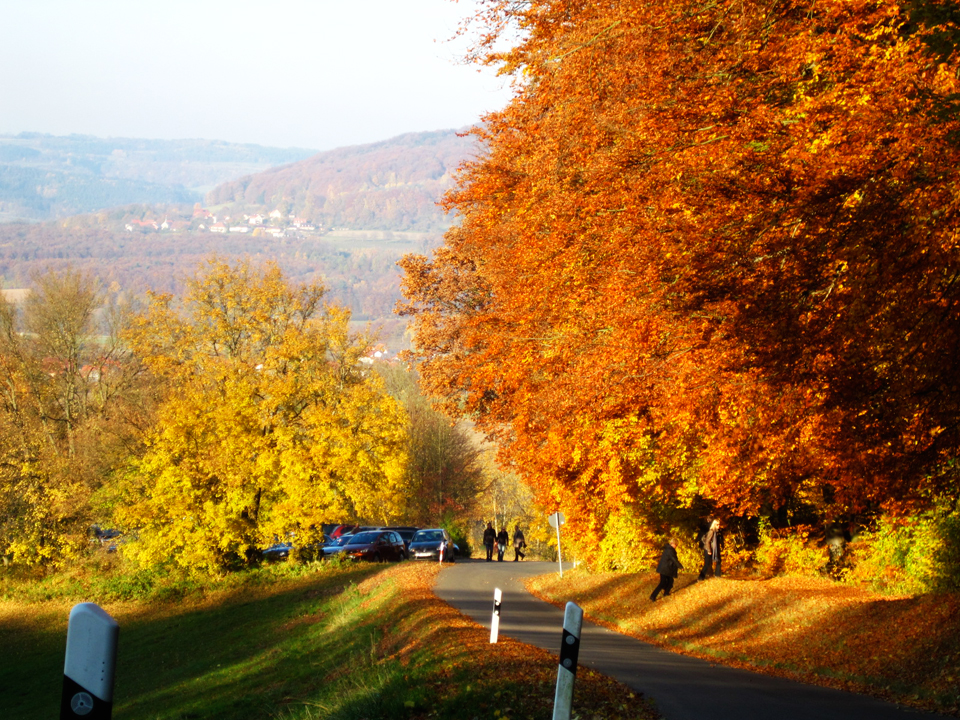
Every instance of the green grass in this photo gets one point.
(248, 653)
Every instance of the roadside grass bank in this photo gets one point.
(904, 649)
(354, 641)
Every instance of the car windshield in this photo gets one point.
(428, 536)
(363, 538)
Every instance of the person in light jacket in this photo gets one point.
(712, 545)
(668, 567)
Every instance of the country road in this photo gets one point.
(683, 688)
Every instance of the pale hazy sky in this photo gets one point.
(310, 73)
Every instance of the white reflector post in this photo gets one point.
(567, 670)
(495, 622)
(89, 664)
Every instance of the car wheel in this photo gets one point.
(377, 558)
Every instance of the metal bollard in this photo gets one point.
(89, 664)
(567, 669)
(495, 622)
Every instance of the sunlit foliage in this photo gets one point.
(269, 424)
(709, 260)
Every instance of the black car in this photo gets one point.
(375, 545)
(426, 545)
(277, 552)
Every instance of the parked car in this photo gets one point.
(280, 551)
(107, 539)
(335, 546)
(341, 530)
(405, 532)
(425, 545)
(277, 552)
(375, 545)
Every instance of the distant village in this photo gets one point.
(274, 223)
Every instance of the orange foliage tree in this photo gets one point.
(709, 258)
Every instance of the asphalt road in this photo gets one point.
(683, 688)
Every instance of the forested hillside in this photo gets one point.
(45, 176)
(360, 274)
(390, 185)
(710, 265)
(312, 225)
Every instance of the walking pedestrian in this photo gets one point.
(489, 538)
(503, 539)
(519, 543)
(668, 567)
(711, 544)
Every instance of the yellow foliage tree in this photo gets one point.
(68, 407)
(270, 424)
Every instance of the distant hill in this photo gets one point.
(44, 177)
(346, 216)
(391, 185)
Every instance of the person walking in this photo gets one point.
(503, 539)
(489, 538)
(668, 567)
(519, 543)
(711, 544)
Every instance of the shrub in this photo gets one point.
(908, 555)
(628, 544)
(788, 552)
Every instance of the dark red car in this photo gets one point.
(375, 545)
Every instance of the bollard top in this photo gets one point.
(573, 618)
(91, 656)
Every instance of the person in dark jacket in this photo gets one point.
(668, 567)
(503, 539)
(711, 544)
(489, 538)
(519, 543)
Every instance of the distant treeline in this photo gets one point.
(27, 192)
(365, 280)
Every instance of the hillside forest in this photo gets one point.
(709, 265)
(391, 185)
(360, 273)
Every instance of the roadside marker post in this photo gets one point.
(495, 621)
(556, 520)
(567, 669)
(89, 664)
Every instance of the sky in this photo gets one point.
(315, 74)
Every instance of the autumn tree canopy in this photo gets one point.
(70, 402)
(268, 425)
(710, 258)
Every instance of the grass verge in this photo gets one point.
(358, 641)
(905, 649)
